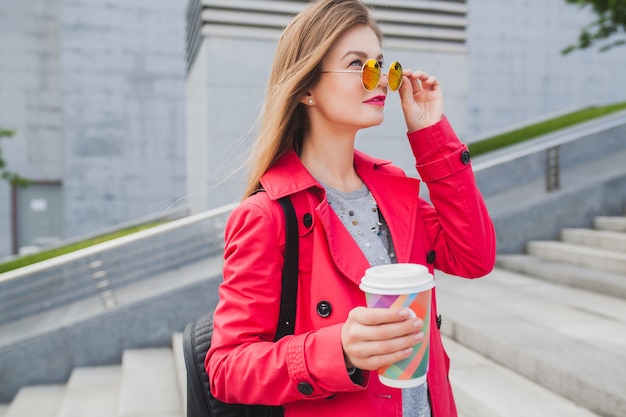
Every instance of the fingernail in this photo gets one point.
(405, 313)
(418, 323)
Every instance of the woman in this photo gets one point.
(353, 211)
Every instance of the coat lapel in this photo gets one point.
(397, 198)
(346, 254)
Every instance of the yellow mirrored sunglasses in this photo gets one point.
(371, 72)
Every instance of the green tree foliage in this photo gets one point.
(5, 174)
(609, 29)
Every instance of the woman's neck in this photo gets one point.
(330, 159)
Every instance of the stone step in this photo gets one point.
(599, 239)
(578, 255)
(613, 223)
(40, 401)
(92, 391)
(602, 282)
(568, 340)
(149, 384)
(482, 388)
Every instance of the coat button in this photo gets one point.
(431, 256)
(465, 157)
(324, 309)
(305, 388)
(307, 220)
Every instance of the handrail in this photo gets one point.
(99, 271)
(114, 243)
(551, 140)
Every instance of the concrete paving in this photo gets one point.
(602, 282)
(40, 401)
(614, 223)
(600, 259)
(149, 385)
(92, 392)
(568, 340)
(600, 239)
(482, 388)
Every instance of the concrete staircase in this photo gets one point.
(148, 383)
(591, 259)
(543, 335)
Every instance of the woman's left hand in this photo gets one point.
(422, 100)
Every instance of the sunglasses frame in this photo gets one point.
(394, 65)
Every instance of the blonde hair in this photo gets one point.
(297, 64)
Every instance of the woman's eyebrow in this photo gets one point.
(361, 54)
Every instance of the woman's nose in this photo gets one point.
(384, 80)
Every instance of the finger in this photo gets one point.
(388, 346)
(426, 81)
(373, 355)
(430, 83)
(354, 332)
(376, 316)
(367, 349)
(390, 331)
(409, 81)
(420, 75)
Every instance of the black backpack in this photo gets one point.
(197, 339)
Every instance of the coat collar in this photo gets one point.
(396, 196)
(288, 176)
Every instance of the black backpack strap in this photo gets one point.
(287, 318)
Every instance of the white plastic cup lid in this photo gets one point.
(399, 278)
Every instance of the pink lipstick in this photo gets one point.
(376, 101)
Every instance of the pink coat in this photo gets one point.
(306, 372)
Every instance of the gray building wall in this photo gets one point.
(123, 72)
(517, 73)
(30, 97)
(225, 93)
(96, 92)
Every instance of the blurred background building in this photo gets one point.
(95, 91)
(129, 108)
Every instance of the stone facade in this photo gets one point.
(95, 91)
(517, 73)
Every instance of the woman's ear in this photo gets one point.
(307, 99)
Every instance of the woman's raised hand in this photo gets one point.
(422, 100)
(377, 337)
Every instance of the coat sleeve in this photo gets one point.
(244, 364)
(458, 223)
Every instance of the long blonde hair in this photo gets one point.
(297, 64)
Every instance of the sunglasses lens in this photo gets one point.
(395, 76)
(371, 74)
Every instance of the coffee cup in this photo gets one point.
(402, 285)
